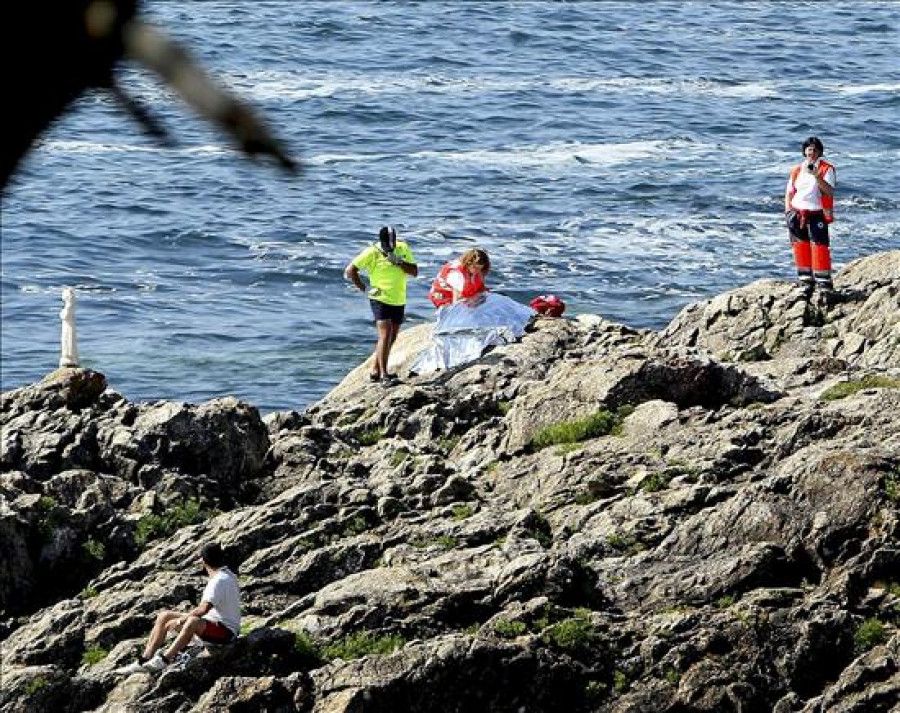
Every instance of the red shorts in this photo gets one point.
(216, 633)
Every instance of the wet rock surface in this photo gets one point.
(596, 518)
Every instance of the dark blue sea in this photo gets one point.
(630, 157)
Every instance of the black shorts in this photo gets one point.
(387, 313)
(816, 229)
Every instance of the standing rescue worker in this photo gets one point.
(387, 264)
(809, 208)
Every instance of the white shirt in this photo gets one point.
(223, 592)
(807, 195)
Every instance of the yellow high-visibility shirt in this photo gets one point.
(389, 279)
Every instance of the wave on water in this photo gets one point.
(267, 85)
(542, 156)
(84, 146)
(94, 147)
(856, 89)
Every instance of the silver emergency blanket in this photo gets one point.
(463, 332)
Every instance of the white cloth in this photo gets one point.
(462, 332)
(456, 279)
(808, 196)
(224, 593)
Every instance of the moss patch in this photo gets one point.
(870, 634)
(445, 542)
(399, 457)
(848, 388)
(48, 517)
(362, 643)
(306, 650)
(153, 526)
(655, 482)
(601, 423)
(35, 685)
(509, 629)
(370, 436)
(573, 634)
(448, 443)
(93, 655)
(93, 549)
(892, 485)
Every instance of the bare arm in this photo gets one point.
(351, 272)
(788, 194)
(410, 268)
(824, 186)
(200, 610)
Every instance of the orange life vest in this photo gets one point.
(441, 292)
(827, 201)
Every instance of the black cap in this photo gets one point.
(387, 236)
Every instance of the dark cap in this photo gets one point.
(387, 236)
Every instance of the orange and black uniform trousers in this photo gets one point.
(812, 252)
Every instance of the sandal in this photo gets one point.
(374, 378)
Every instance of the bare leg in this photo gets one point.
(383, 348)
(165, 622)
(192, 625)
(395, 330)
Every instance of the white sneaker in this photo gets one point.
(134, 667)
(156, 664)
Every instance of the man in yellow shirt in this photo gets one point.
(387, 264)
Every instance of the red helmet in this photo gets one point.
(548, 305)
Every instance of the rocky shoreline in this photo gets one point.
(596, 518)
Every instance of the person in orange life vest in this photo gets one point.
(387, 264)
(809, 208)
(461, 280)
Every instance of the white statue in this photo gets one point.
(68, 340)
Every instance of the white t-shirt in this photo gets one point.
(223, 592)
(807, 195)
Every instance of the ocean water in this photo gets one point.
(629, 157)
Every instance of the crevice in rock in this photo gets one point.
(801, 568)
(690, 382)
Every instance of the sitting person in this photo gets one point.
(470, 319)
(461, 280)
(217, 619)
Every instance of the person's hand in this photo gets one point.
(373, 292)
(393, 258)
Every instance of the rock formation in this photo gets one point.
(596, 518)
